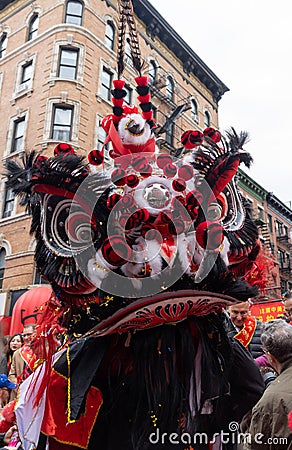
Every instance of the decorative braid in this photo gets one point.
(127, 17)
(121, 41)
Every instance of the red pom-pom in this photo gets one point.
(118, 84)
(141, 215)
(209, 235)
(162, 160)
(95, 157)
(146, 171)
(123, 219)
(39, 161)
(128, 201)
(63, 149)
(132, 180)
(139, 162)
(191, 139)
(194, 198)
(186, 172)
(213, 134)
(179, 184)
(118, 177)
(169, 170)
(164, 217)
(116, 251)
(113, 200)
(142, 81)
(150, 233)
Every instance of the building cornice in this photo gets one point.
(252, 186)
(279, 206)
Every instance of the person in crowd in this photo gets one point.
(5, 388)
(5, 438)
(288, 307)
(15, 342)
(245, 328)
(268, 425)
(4, 354)
(23, 359)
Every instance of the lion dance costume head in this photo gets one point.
(143, 251)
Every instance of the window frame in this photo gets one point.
(104, 87)
(32, 33)
(15, 138)
(61, 65)
(3, 39)
(8, 201)
(207, 119)
(74, 15)
(169, 93)
(60, 106)
(2, 269)
(107, 39)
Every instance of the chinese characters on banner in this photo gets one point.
(268, 310)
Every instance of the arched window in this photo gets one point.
(2, 265)
(152, 71)
(206, 119)
(74, 12)
(169, 88)
(194, 108)
(3, 45)
(33, 27)
(110, 35)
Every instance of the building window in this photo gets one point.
(62, 123)
(128, 97)
(68, 63)
(169, 88)
(33, 27)
(26, 76)
(279, 228)
(74, 12)
(3, 45)
(206, 119)
(270, 223)
(9, 200)
(152, 72)
(2, 265)
(18, 135)
(260, 213)
(128, 53)
(110, 35)
(169, 134)
(106, 84)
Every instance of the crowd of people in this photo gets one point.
(269, 345)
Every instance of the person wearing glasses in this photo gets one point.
(268, 425)
(245, 328)
(23, 359)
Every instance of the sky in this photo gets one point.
(248, 45)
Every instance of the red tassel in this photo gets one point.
(142, 81)
(119, 102)
(118, 84)
(144, 98)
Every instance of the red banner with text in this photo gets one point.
(268, 310)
